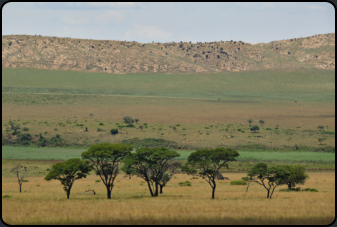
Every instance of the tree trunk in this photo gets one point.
(20, 186)
(156, 192)
(148, 184)
(213, 190)
(289, 186)
(161, 189)
(268, 194)
(68, 194)
(108, 192)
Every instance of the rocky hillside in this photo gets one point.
(131, 57)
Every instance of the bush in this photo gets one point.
(101, 123)
(310, 190)
(186, 183)
(114, 131)
(254, 128)
(99, 130)
(6, 196)
(25, 137)
(238, 182)
(268, 129)
(25, 129)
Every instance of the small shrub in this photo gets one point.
(310, 190)
(178, 125)
(238, 182)
(55, 129)
(25, 129)
(268, 129)
(97, 181)
(101, 123)
(114, 131)
(6, 196)
(99, 130)
(25, 181)
(206, 127)
(186, 183)
(47, 169)
(79, 124)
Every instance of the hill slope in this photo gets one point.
(131, 57)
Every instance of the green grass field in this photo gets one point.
(211, 109)
(29, 153)
(304, 86)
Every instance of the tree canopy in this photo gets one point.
(254, 128)
(297, 175)
(151, 164)
(207, 163)
(128, 120)
(69, 171)
(105, 159)
(269, 178)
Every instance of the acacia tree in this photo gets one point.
(254, 128)
(321, 140)
(167, 176)
(250, 122)
(268, 178)
(105, 159)
(207, 163)
(261, 122)
(297, 175)
(320, 127)
(150, 164)
(128, 120)
(20, 172)
(69, 171)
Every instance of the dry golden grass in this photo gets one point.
(131, 203)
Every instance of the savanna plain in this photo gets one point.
(187, 112)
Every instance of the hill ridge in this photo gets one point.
(119, 57)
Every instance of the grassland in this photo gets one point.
(302, 86)
(43, 153)
(59, 102)
(38, 160)
(44, 202)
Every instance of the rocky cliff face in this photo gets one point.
(131, 57)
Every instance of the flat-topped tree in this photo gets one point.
(320, 127)
(151, 164)
(167, 176)
(207, 163)
(269, 178)
(20, 172)
(250, 121)
(105, 159)
(261, 122)
(297, 175)
(254, 128)
(128, 120)
(69, 171)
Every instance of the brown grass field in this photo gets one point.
(43, 202)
